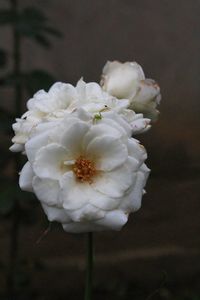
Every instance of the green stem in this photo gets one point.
(89, 267)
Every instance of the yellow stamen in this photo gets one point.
(84, 169)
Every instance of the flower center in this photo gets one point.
(84, 169)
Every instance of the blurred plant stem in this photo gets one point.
(14, 242)
(89, 266)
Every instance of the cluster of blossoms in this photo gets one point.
(84, 164)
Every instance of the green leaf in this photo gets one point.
(33, 14)
(31, 81)
(31, 22)
(7, 16)
(53, 31)
(42, 40)
(3, 58)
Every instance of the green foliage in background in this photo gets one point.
(17, 206)
(29, 23)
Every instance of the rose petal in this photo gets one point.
(108, 152)
(136, 151)
(75, 195)
(113, 220)
(49, 160)
(99, 130)
(34, 144)
(16, 148)
(115, 183)
(56, 214)
(87, 213)
(26, 178)
(132, 200)
(47, 191)
(72, 138)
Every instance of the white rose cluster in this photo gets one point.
(83, 162)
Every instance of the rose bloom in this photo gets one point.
(62, 99)
(127, 80)
(87, 171)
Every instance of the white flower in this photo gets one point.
(59, 98)
(94, 100)
(44, 106)
(64, 99)
(127, 80)
(88, 174)
(147, 99)
(138, 123)
(122, 79)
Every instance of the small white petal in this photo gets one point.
(60, 96)
(132, 201)
(49, 161)
(140, 125)
(115, 120)
(103, 201)
(26, 178)
(72, 138)
(56, 214)
(93, 91)
(99, 130)
(73, 193)
(87, 213)
(147, 99)
(17, 148)
(113, 220)
(81, 89)
(35, 143)
(115, 183)
(47, 191)
(136, 150)
(109, 152)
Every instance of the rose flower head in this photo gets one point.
(127, 80)
(87, 175)
(83, 165)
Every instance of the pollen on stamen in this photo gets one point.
(84, 169)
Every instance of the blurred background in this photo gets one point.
(157, 254)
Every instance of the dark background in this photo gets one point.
(157, 253)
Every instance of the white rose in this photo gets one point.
(64, 99)
(127, 80)
(44, 106)
(94, 100)
(88, 175)
(147, 99)
(122, 79)
(61, 96)
(23, 128)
